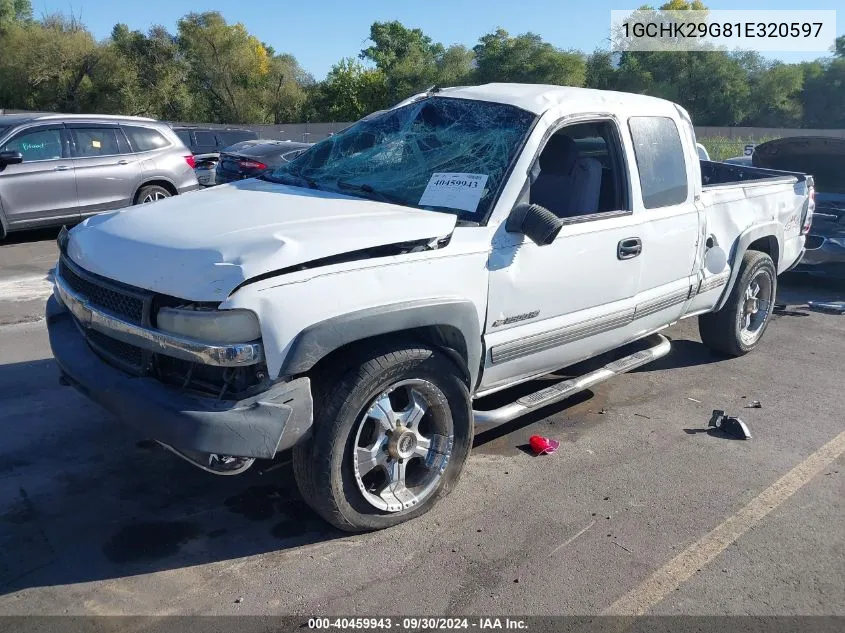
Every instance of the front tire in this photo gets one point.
(737, 328)
(391, 437)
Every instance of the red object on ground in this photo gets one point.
(543, 445)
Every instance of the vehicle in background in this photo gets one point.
(702, 152)
(61, 168)
(359, 302)
(206, 145)
(824, 157)
(251, 159)
(739, 160)
(202, 141)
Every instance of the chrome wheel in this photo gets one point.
(154, 196)
(756, 307)
(402, 446)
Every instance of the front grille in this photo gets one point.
(110, 299)
(128, 356)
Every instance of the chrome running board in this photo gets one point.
(659, 347)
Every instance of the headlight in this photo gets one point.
(211, 326)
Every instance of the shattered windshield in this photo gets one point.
(436, 153)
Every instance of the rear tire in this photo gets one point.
(738, 327)
(151, 193)
(391, 437)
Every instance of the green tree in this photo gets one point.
(142, 74)
(15, 11)
(350, 91)
(407, 58)
(229, 68)
(285, 94)
(52, 65)
(775, 96)
(599, 71)
(823, 94)
(526, 59)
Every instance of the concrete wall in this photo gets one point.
(754, 133)
(313, 132)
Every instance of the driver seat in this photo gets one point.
(568, 184)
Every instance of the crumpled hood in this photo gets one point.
(201, 246)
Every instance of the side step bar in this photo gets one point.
(659, 347)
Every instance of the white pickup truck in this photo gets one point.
(356, 304)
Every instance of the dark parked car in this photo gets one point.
(824, 158)
(206, 145)
(248, 160)
(212, 141)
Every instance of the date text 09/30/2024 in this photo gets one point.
(416, 624)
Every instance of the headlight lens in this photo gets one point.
(211, 326)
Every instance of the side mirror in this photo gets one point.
(537, 223)
(11, 157)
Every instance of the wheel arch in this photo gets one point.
(765, 238)
(161, 182)
(447, 324)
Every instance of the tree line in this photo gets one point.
(213, 71)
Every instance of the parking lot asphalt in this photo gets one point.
(642, 509)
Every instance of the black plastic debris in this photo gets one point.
(830, 307)
(754, 404)
(729, 425)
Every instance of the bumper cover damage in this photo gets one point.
(256, 427)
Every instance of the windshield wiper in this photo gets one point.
(365, 188)
(308, 180)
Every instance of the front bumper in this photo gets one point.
(257, 427)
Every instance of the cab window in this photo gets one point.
(40, 144)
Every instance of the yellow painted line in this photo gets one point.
(678, 570)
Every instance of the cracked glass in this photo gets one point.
(392, 156)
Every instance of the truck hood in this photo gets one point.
(821, 156)
(201, 246)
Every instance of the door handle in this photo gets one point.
(629, 248)
(123, 162)
(61, 168)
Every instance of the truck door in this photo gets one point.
(668, 218)
(553, 305)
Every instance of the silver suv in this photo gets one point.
(59, 169)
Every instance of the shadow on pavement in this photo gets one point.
(82, 499)
(33, 235)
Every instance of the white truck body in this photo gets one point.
(323, 268)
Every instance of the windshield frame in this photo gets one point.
(462, 217)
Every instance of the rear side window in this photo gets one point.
(40, 144)
(184, 136)
(98, 141)
(660, 161)
(144, 139)
(205, 139)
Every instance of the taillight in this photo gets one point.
(192, 162)
(251, 164)
(811, 207)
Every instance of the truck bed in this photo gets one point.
(720, 174)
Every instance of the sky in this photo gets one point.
(321, 32)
